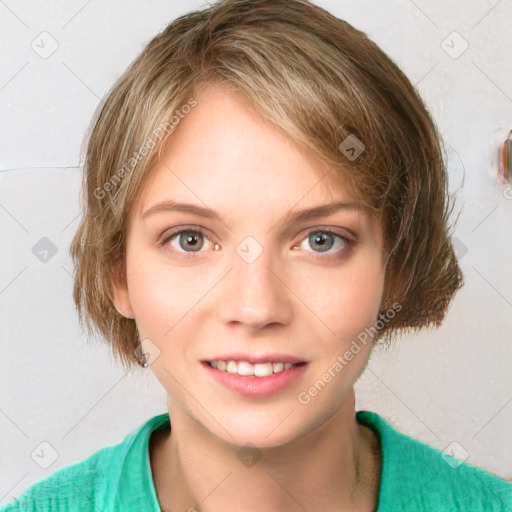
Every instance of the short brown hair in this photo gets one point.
(317, 78)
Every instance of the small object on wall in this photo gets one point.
(505, 159)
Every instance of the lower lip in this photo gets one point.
(256, 386)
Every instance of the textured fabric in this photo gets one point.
(415, 477)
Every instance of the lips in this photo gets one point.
(256, 386)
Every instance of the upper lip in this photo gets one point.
(272, 358)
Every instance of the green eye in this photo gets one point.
(190, 239)
(321, 239)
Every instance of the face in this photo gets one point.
(252, 280)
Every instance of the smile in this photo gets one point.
(246, 369)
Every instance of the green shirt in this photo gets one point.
(414, 477)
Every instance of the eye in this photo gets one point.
(322, 241)
(187, 240)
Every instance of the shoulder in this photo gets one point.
(99, 482)
(416, 476)
(70, 487)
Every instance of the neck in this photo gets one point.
(331, 467)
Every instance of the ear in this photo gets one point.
(120, 288)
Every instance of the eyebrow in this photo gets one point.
(323, 210)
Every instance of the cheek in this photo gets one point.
(346, 299)
(161, 296)
(361, 296)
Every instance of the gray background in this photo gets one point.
(450, 387)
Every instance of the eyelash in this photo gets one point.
(198, 230)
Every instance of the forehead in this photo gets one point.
(225, 154)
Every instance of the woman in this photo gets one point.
(264, 201)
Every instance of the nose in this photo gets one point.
(255, 294)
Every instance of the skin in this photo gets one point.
(293, 299)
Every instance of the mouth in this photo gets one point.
(259, 380)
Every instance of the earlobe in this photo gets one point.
(120, 289)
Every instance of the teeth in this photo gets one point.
(246, 369)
